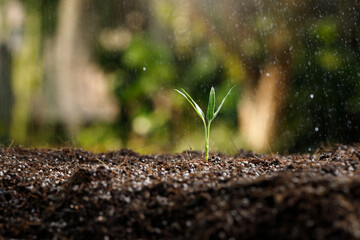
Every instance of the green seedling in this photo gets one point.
(210, 113)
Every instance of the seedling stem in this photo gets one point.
(210, 113)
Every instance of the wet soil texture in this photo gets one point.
(75, 194)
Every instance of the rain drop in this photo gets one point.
(144, 68)
(311, 96)
(316, 129)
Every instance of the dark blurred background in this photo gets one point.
(100, 74)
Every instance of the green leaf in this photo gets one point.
(193, 104)
(211, 105)
(197, 108)
(218, 110)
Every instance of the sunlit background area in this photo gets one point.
(100, 75)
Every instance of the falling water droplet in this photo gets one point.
(144, 68)
(311, 96)
(316, 129)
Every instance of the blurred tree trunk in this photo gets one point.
(25, 39)
(12, 14)
(82, 94)
(6, 93)
(260, 107)
(68, 55)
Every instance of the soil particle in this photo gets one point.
(74, 194)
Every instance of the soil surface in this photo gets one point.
(75, 194)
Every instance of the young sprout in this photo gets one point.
(210, 113)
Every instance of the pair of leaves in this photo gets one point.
(210, 113)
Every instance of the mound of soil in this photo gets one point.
(75, 194)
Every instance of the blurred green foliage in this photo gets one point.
(161, 48)
(144, 77)
(325, 83)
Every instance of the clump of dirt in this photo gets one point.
(75, 194)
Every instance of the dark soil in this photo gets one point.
(75, 194)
